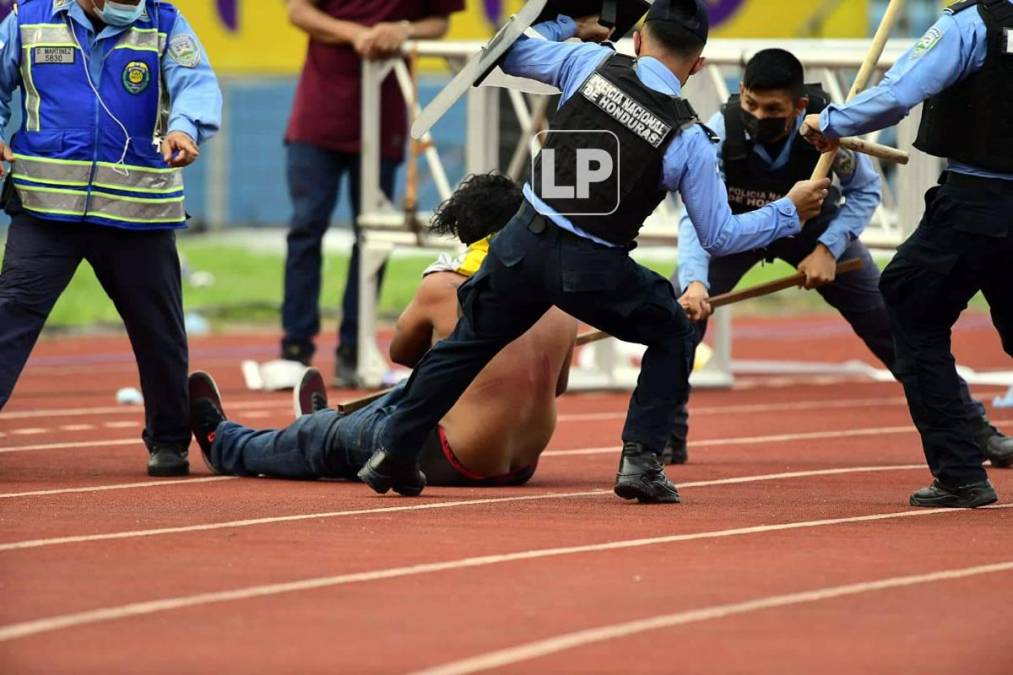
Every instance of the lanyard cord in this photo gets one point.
(120, 166)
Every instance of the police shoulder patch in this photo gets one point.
(927, 42)
(183, 50)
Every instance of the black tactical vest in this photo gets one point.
(613, 119)
(972, 121)
(750, 181)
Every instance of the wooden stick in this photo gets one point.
(715, 302)
(883, 152)
(826, 162)
(745, 294)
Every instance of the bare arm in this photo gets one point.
(416, 326)
(430, 28)
(321, 26)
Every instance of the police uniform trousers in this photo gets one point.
(533, 265)
(855, 295)
(139, 271)
(963, 245)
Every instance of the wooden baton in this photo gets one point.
(826, 162)
(715, 302)
(745, 294)
(883, 152)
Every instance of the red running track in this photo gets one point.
(793, 552)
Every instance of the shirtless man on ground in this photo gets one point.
(492, 436)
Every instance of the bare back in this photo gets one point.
(505, 419)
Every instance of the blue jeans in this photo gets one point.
(314, 176)
(322, 445)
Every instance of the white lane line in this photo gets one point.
(76, 427)
(129, 534)
(753, 440)
(286, 404)
(28, 431)
(39, 543)
(123, 424)
(265, 402)
(73, 444)
(260, 414)
(753, 408)
(566, 641)
(26, 628)
(117, 486)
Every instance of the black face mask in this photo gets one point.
(767, 130)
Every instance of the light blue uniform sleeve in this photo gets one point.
(10, 61)
(194, 95)
(691, 168)
(560, 30)
(951, 50)
(694, 261)
(861, 187)
(564, 65)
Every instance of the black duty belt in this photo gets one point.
(967, 181)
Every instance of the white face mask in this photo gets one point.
(119, 14)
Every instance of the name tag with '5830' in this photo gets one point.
(54, 55)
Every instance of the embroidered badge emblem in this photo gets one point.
(136, 77)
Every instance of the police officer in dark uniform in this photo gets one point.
(762, 156)
(963, 69)
(96, 175)
(622, 139)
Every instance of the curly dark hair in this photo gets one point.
(481, 204)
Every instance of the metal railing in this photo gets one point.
(382, 226)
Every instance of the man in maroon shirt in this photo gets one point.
(323, 141)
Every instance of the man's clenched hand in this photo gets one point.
(819, 267)
(694, 301)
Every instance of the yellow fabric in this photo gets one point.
(473, 257)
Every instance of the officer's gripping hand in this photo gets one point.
(808, 196)
(589, 30)
(810, 131)
(694, 301)
(819, 268)
(6, 155)
(179, 150)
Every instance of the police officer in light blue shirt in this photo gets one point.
(762, 156)
(622, 139)
(116, 97)
(963, 70)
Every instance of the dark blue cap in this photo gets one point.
(690, 14)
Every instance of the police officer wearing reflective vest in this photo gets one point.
(116, 97)
(963, 70)
(623, 138)
(761, 157)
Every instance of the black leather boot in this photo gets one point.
(994, 445)
(168, 460)
(939, 495)
(641, 477)
(385, 471)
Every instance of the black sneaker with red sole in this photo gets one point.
(311, 394)
(206, 414)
